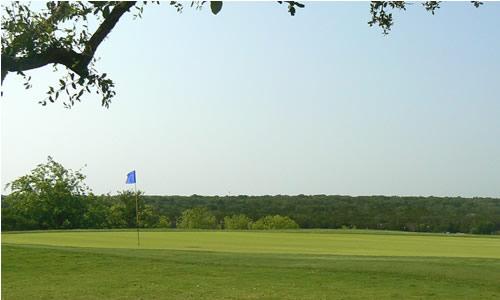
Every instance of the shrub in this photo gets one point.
(116, 216)
(275, 222)
(197, 218)
(237, 222)
(163, 222)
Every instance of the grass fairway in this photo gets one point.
(248, 265)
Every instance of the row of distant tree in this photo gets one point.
(101, 212)
(52, 197)
(422, 214)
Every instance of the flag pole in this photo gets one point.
(137, 214)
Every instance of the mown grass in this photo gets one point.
(247, 265)
(274, 242)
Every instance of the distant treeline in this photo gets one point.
(422, 214)
(53, 197)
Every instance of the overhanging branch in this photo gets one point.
(69, 58)
(77, 62)
(106, 26)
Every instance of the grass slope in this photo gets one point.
(246, 265)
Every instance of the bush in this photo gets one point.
(163, 222)
(117, 216)
(275, 222)
(237, 222)
(148, 217)
(197, 218)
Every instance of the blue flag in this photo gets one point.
(130, 177)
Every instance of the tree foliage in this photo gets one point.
(60, 34)
(382, 11)
(197, 218)
(237, 222)
(275, 222)
(53, 197)
(49, 197)
(422, 214)
(63, 34)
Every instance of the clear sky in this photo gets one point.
(254, 101)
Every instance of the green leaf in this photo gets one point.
(105, 12)
(215, 6)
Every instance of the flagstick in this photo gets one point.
(137, 214)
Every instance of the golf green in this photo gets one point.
(370, 244)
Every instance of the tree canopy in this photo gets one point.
(197, 218)
(49, 197)
(60, 34)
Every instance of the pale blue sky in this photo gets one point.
(254, 101)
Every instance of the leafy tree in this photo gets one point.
(117, 217)
(61, 34)
(237, 222)
(97, 212)
(50, 196)
(275, 222)
(197, 218)
(127, 200)
(163, 222)
(485, 227)
(149, 217)
(12, 219)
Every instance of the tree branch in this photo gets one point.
(69, 58)
(77, 62)
(106, 26)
